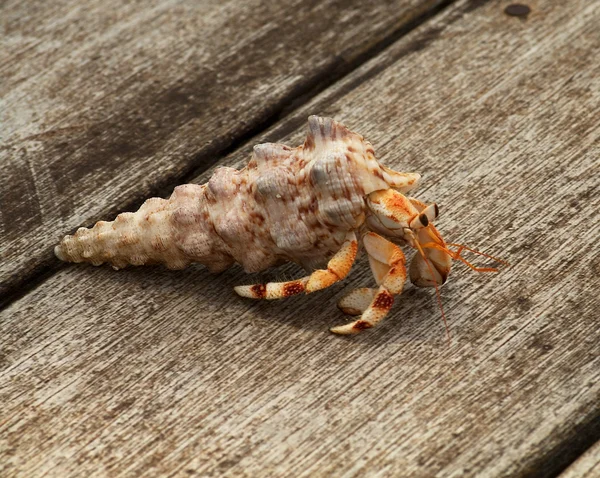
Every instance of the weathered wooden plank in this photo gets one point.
(105, 103)
(588, 466)
(156, 372)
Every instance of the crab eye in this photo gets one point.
(428, 215)
(419, 221)
(432, 211)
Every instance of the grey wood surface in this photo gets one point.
(587, 466)
(169, 373)
(105, 103)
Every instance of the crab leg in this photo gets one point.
(357, 301)
(388, 266)
(338, 267)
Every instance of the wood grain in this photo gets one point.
(587, 466)
(148, 371)
(106, 103)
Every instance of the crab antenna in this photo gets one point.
(437, 290)
(456, 256)
(474, 251)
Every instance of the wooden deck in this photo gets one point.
(149, 372)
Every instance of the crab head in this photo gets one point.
(407, 220)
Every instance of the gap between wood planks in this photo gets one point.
(280, 110)
(587, 466)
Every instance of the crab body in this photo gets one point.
(311, 205)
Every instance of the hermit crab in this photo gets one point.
(312, 205)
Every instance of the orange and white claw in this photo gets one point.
(387, 262)
(388, 266)
(433, 269)
(378, 308)
(357, 301)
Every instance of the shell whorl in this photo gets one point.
(327, 136)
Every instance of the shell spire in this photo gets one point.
(326, 134)
(135, 238)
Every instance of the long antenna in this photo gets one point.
(474, 251)
(456, 255)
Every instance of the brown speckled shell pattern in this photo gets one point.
(287, 204)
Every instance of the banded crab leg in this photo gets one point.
(388, 265)
(338, 267)
(357, 301)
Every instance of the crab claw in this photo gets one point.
(434, 268)
(423, 276)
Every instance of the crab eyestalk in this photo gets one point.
(431, 266)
